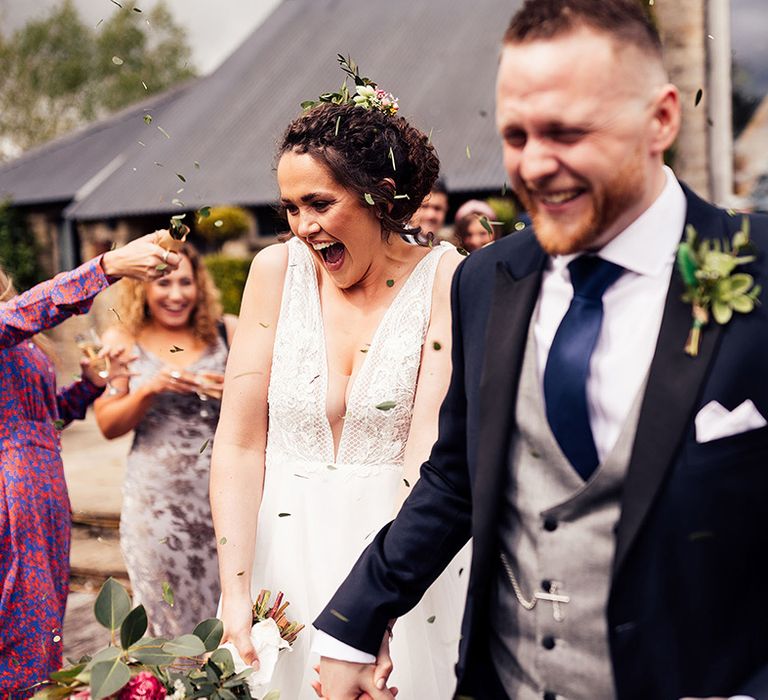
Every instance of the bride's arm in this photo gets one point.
(237, 464)
(434, 375)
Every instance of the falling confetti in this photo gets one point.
(283, 515)
(223, 540)
(392, 158)
(117, 60)
(431, 619)
(114, 311)
(147, 118)
(204, 445)
(469, 153)
(176, 348)
(163, 132)
(218, 223)
(180, 176)
(390, 283)
(437, 346)
(167, 593)
(338, 122)
(386, 405)
(369, 199)
(405, 481)
(699, 95)
(337, 614)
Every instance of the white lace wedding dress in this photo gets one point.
(319, 511)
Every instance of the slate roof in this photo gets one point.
(438, 56)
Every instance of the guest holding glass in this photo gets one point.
(35, 515)
(176, 328)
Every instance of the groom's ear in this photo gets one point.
(665, 119)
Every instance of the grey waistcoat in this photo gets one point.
(555, 528)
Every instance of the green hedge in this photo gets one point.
(229, 275)
(18, 252)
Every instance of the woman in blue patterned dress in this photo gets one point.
(34, 504)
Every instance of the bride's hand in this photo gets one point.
(237, 616)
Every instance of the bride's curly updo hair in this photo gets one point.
(366, 150)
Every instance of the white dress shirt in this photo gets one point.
(633, 308)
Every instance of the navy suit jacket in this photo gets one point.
(688, 606)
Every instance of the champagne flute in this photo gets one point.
(90, 345)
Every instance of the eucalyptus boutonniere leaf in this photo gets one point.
(713, 287)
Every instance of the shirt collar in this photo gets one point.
(647, 246)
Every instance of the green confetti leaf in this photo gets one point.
(437, 346)
(390, 283)
(263, 325)
(338, 615)
(386, 405)
(197, 165)
(401, 196)
(163, 132)
(147, 120)
(699, 95)
(204, 445)
(369, 199)
(332, 468)
(462, 251)
(181, 177)
(144, 85)
(204, 212)
(283, 515)
(469, 153)
(161, 267)
(338, 122)
(136, 9)
(176, 348)
(223, 540)
(58, 424)
(431, 619)
(117, 60)
(167, 593)
(405, 481)
(486, 225)
(392, 158)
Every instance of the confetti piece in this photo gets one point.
(58, 424)
(263, 325)
(462, 251)
(390, 283)
(240, 573)
(163, 132)
(136, 9)
(431, 619)
(114, 311)
(142, 144)
(338, 122)
(57, 639)
(114, 2)
(218, 223)
(167, 593)
(176, 348)
(392, 158)
(163, 540)
(204, 445)
(332, 468)
(386, 405)
(401, 196)
(204, 212)
(283, 515)
(369, 199)
(177, 202)
(117, 60)
(197, 165)
(429, 138)
(337, 614)
(161, 267)
(147, 118)
(437, 346)
(301, 476)
(223, 540)
(181, 177)
(469, 153)
(405, 481)
(519, 226)
(699, 95)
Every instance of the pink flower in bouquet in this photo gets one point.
(143, 686)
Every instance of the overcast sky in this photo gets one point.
(216, 27)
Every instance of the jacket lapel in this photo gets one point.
(674, 384)
(514, 298)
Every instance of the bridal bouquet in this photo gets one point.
(136, 667)
(270, 634)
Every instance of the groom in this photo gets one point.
(615, 487)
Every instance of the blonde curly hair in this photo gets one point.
(134, 312)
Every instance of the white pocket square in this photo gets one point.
(714, 421)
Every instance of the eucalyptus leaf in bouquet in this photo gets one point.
(135, 667)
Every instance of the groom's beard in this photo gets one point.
(564, 236)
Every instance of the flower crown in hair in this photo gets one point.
(367, 94)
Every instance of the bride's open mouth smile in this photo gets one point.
(332, 253)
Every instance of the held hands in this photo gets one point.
(345, 680)
(142, 259)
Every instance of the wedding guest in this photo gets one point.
(469, 229)
(34, 505)
(174, 325)
(430, 216)
(333, 387)
(604, 436)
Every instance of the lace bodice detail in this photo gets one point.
(298, 425)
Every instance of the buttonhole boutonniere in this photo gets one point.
(713, 287)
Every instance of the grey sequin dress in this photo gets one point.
(166, 533)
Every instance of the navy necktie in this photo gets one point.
(565, 376)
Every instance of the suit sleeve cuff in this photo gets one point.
(325, 645)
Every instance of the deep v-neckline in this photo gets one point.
(355, 381)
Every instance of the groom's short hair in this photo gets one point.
(626, 20)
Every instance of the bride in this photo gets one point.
(335, 377)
